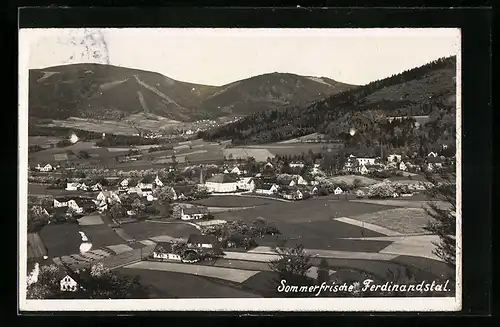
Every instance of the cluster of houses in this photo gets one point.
(365, 165)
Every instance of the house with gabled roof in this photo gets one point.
(108, 197)
(193, 213)
(267, 189)
(338, 191)
(72, 186)
(96, 187)
(246, 184)
(164, 251)
(202, 241)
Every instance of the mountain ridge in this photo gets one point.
(111, 92)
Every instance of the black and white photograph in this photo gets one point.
(173, 169)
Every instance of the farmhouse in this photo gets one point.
(432, 154)
(72, 186)
(434, 163)
(68, 284)
(296, 165)
(46, 168)
(84, 187)
(313, 190)
(402, 166)
(164, 251)
(179, 192)
(96, 187)
(268, 189)
(365, 161)
(294, 195)
(193, 213)
(237, 171)
(157, 182)
(338, 191)
(268, 165)
(221, 184)
(124, 183)
(394, 158)
(363, 170)
(246, 183)
(108, 196)
(291, 180)
(145, 185)
(202, 241)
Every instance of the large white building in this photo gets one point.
(221, 184)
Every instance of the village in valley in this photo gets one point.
(234, 181)
(225, 215)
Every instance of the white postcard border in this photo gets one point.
(260, 304)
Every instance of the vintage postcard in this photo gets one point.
(239, 169)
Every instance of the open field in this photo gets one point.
(234, 275)
(402, 220)
(260, 154)
(185, 285)
(315, 229)
(43, 140)
(144, 230)
(232, 201)
(62, 239)
(99, 126)
(90, 220)
(349, 180)
(36, 248)
(101, 235)
(407, 203)
(41, 189)
(288, 149)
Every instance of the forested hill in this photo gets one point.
(426, 90)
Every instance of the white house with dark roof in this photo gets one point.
(246, 183)
(221, 184)
(267, 189)
(72, 186)
(46, 168)
(338, 191)
(193, 213)
(68, 284)
(164, 251)
(394, 158)
(402, 166)
(157, 182)
(202, 241)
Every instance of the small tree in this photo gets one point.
(292, 261)
(323, 271)
(138, 206)
(116, 211)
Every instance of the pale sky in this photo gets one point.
(221, 56)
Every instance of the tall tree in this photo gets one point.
(443, 222)
(323, 271)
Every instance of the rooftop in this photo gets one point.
(221, 178)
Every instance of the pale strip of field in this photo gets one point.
(330, 254)
(120, 248)
(403, 203)
(118, 149)
(365, 225)
(400, 220)
(259, 154)
(224, 209)
(166, 238)
(234, 275)
(212, 222)
(36, 248)
(147, 242)
(90, 220)
(101, 253)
